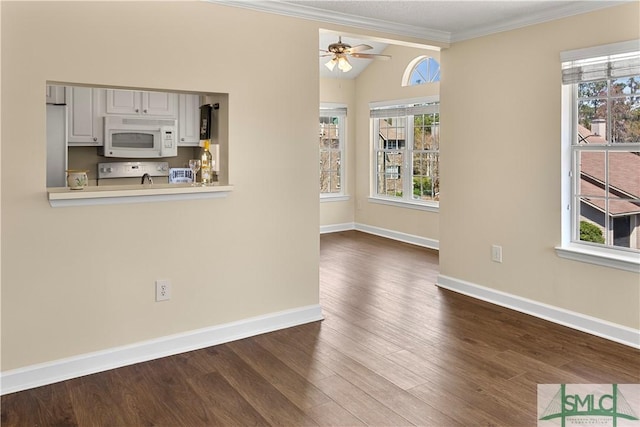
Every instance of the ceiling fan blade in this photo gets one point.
(328, 54)
(371, 56)
(358, 48)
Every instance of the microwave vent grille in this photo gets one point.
(149, 122)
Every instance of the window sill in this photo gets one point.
(405, 204)
(118, 194)
(621, 261)
(336, 198)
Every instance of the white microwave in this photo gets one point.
(138, 137)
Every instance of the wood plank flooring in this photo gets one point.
(394, 350)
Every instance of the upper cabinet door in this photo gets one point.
(159, 104)
(85, 125)
(141, 103)
(188, 120)
(123, 102)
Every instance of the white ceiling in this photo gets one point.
(435, 20)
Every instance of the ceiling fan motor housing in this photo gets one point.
(339, 47)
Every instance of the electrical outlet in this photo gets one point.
(496, 253)
(163, 290)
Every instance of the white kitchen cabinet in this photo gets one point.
(133, 102)
(55, 94)
(84, 116)
(188, 120)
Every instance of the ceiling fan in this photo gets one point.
(340, 51)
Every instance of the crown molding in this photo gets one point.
(306, 12)
(321, 15)
(570, 9)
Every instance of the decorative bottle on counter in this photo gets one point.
(206, 170)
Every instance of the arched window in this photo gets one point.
(422, 69)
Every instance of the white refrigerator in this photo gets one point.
(56, 145)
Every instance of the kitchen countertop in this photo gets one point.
(114, 194)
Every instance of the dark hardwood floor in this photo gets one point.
(394, 350)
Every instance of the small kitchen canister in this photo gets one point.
(77, 179)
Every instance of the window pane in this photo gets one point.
(624, 198)
(592, 89)
(592, 119)
(625, 86)
(423, 132)
(427, 70)
(419, 138)
(389, 181)
(324, 134)
(324, 181)
(430, 132)
(380, 163)
(591, 225)
(335, 160)
(392, 133)
(425, 176)
(335, 182)
(624, 174)
(325, 162)
(592, 174)
(434, 132)
(625, 116)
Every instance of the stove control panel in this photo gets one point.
(132, 169)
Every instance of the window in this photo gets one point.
(406, 153)
(332, 124)
(601, 103)
(421, 70)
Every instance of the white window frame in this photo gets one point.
(340, 111)
(407, 200)
(571, 247)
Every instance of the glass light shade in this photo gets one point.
(331, 64)
(344, 65)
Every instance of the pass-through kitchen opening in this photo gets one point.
(124, 136)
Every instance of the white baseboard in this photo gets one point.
(334, 228)
(396, 235)
(591, 325)
(90, 363)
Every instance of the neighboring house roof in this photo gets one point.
(624, 176)
(616, 207)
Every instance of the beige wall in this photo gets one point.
(81, 279)
(501, 166)
(382, 81)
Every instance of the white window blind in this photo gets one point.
(409, 110)
(331, 112)
(585, 65)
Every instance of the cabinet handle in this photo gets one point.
(137, 110)
(145, 111)
(95, 139)
(181, 139)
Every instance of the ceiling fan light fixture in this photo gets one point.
(343, 64)
(331, 64)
